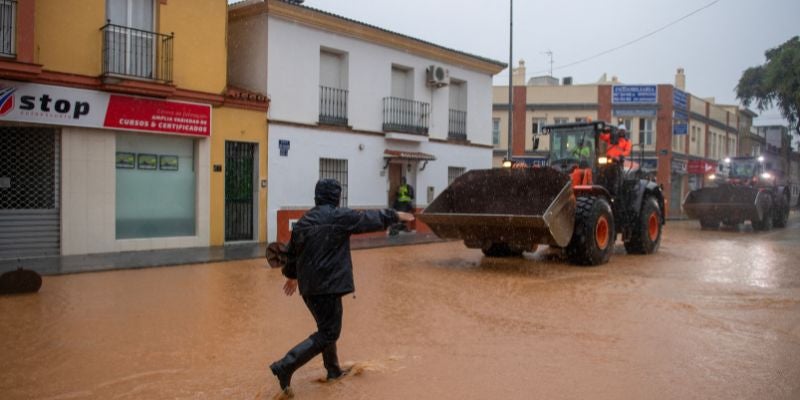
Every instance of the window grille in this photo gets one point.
(453, 173)
(332, 168)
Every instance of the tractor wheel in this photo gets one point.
(708, 223)
(646, 236)
(501, 250)
(781, 215)
(766, 221)
(593, 239)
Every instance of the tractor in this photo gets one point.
(580, 201)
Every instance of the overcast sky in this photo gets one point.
(713, 45)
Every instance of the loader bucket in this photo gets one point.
(519, 207)
(726, 203)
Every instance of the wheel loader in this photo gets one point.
(581, 201)
(742, 190)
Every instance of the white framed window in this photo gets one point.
(131, 44)
(334, 168)
(8, 27)
(560, 120)
(647, 130)
(495, 131)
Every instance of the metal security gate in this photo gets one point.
(29, 192)
(240, 190)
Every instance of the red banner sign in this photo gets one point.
(700, 167)
(157, 116)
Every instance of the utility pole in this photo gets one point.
(510, 79)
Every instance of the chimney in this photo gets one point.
(614, 79)
(518, 75)
(680, 79)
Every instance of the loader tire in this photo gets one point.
(780, 216)
(501, 250)
(646, 234)
(766, 221)
(593, 239)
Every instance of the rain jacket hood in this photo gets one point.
(327, 192)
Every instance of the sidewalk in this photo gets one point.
(160, 258)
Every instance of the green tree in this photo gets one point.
(777, 82)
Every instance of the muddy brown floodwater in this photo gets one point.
(713, 315)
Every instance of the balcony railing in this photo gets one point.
(405, 116)
(332, 106)
(137, 53)
(457, 125)
(8, 28)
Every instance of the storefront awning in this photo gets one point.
(407, 155)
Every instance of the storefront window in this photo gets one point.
(156, 184)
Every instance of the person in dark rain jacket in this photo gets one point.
(318, 261)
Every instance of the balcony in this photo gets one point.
(135, 53)
(405, 116)
(332, 106)
(8, 28)
(457, 125)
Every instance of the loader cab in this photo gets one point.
(572, 145)
(745, 170)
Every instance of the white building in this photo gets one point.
(360, 104)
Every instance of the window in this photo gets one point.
(332, 168)
(155, 197)
(560, 120)
(130, 41)
(8, 28)
(537, 124)
(332, 87)
(495, 131)
(402, 83)
(453, 173)
(646, 130)
(457, 120)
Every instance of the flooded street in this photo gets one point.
(712, 315)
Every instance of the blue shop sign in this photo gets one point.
(680, 127)
(679, 100)
(682, 115)
(634, 94)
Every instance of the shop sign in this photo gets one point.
(680, 127)
(634, 94)
(57, 105)
(700, 167)
(635, 112)
(679, 99)
(678, 166)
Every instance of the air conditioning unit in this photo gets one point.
(437, 76)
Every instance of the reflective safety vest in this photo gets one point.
(403, 194)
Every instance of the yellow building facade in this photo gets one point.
(126, 135)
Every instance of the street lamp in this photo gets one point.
(510, 78)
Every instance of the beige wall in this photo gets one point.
(698, 105)
(573, 94)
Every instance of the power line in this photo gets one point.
(637, 39)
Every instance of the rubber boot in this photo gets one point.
(331, 361)
(294, 359)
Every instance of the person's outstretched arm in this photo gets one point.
(372, 220)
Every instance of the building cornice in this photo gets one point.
(339, 25)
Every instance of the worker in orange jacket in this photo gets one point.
(623, 146)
